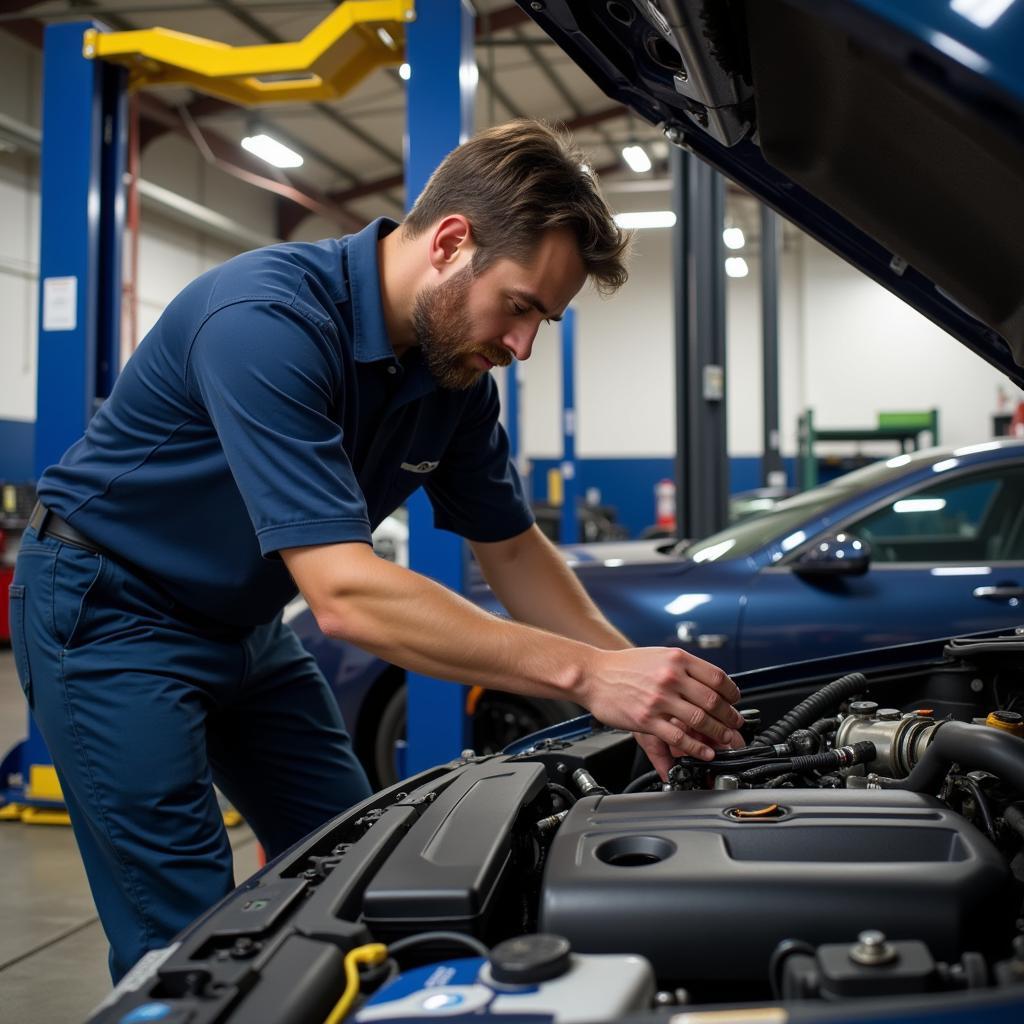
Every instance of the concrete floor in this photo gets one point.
(53, 954)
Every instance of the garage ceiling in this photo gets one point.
(352, 146)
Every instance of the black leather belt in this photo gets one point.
(47, 523)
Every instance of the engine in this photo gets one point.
(868, 843)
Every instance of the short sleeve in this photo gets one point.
(476, 491)
(268, 377)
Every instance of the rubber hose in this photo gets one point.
(862, 751)
(642, 782)
(812, 708)
(566, 795)
(970, 746)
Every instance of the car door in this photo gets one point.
(946, 557)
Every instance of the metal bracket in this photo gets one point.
(335, 56)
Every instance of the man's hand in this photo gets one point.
(683, 705)
(679, 700)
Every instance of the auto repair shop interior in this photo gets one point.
(791, 445)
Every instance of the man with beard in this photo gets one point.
(280, 408)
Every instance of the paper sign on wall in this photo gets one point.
(60, 303)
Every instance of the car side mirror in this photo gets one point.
(837, 554)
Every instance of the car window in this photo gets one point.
(742, 538)
(974, 518)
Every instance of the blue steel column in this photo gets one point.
(80, 241)
(82, 201)
(570, 531)
(440, 51)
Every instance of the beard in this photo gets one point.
(441, 326)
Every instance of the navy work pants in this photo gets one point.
(144, 707)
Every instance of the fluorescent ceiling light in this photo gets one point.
(637, 158)
(646, 219)
(733, 238)
(736, 266)
(271, 150)
(920, 505)
(405, 72)
(984, 13)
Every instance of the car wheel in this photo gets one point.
(499, 719)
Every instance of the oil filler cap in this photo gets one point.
(529, 959)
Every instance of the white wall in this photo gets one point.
(848, 349)
(19, 236)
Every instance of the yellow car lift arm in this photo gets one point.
(357, 37)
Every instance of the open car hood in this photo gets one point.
(889, 130)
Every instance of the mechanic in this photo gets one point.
(284, 404)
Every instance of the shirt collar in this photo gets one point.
(371, 336)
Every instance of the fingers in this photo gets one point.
(657, 753)
(693, 719)
(680, 739)
(712, 677)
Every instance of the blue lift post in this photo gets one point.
(439, 47)
(570, 531)
(82, 200)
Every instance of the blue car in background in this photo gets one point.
(918, 546)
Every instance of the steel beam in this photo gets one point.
(702, 466)
(772, 472)
(439, 48)
(82, 199)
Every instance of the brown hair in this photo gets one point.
(512, 183)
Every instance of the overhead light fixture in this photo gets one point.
(405, 72)
(646, 219)
(269, 149)
(387, 38)
(736, 266)
(984, 13)
(733, 238)
(637, 158)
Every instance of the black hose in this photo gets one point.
(824, 725)
(970, 746)
(564, 793)
(642, 782)
(809, 710)
(859, 753)
(981, 803)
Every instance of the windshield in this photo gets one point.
(782, 522)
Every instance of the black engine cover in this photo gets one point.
(707, 894)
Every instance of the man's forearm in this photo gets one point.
(536, 586)
(411, 621)
(419, 625)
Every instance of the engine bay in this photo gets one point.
(867, 844)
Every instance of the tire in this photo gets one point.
(499, 719)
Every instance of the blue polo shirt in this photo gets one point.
(266, 410)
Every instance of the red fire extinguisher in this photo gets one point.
(665, 504)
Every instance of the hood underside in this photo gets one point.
(897, 146)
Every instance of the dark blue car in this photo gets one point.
(918, 546)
